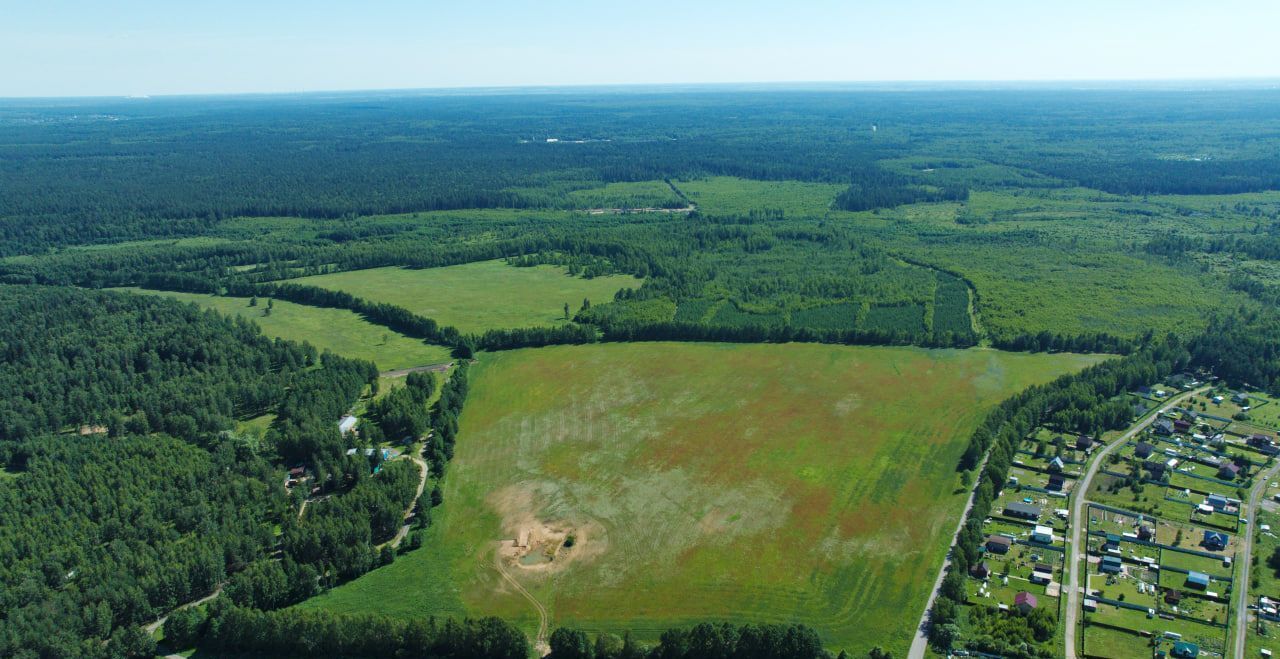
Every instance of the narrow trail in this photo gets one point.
(401, 372)
(152, 626)
(540, 641)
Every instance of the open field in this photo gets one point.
(338, 330)
(724, 195)
(475, 297)
(704, 481)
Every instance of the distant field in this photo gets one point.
(705, 482)
(338, 330)
(478, 296)
(723, 195)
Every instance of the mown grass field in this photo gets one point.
(338, 330)
(707, 482)
(475, 297)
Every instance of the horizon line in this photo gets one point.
(992, 84)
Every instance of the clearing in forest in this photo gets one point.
(475, 297)
(648, 485)
(338, 330)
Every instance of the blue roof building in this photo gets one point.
(1110, 565)
(1215, 540)
(1198, 580)
(1185, 650)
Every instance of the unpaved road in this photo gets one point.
(1079, 494)
(622, 211)
(1245, 560)
(540, 642)
(401, 372)
(422, 484)
(921, 641)
(151, 627)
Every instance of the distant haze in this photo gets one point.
(91, 48)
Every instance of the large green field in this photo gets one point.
(338, 330)
(478, 296)
(704, 481)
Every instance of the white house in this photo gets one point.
(347, 424)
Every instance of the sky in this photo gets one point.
(133, 47)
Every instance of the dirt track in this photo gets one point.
(540, 641)
(401, 372)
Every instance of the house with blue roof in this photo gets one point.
(1215, 540)
(1198, 580)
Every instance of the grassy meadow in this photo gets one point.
(475, 297)
(705, 482)
(338, 330)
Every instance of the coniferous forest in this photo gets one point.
(157, 454)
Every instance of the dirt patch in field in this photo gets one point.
(537, 544)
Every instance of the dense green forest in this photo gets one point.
(1142, 223)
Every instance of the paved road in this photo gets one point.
(1077, 522)
(921, 640)
(1244, 559)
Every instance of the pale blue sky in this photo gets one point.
(118, 47)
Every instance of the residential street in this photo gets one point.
(1078, 497)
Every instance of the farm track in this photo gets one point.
(540, 640)
(401, 372)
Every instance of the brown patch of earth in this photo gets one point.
(538, 545)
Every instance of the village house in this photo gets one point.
(1022, 510)
(1025, 602)
(1214, 540)
(1162, 427)
(1264, 444)
(999, 544)
(1110, 565)
(1143, 450)
(1228, 471)
(347, 424)
(1197, 580)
